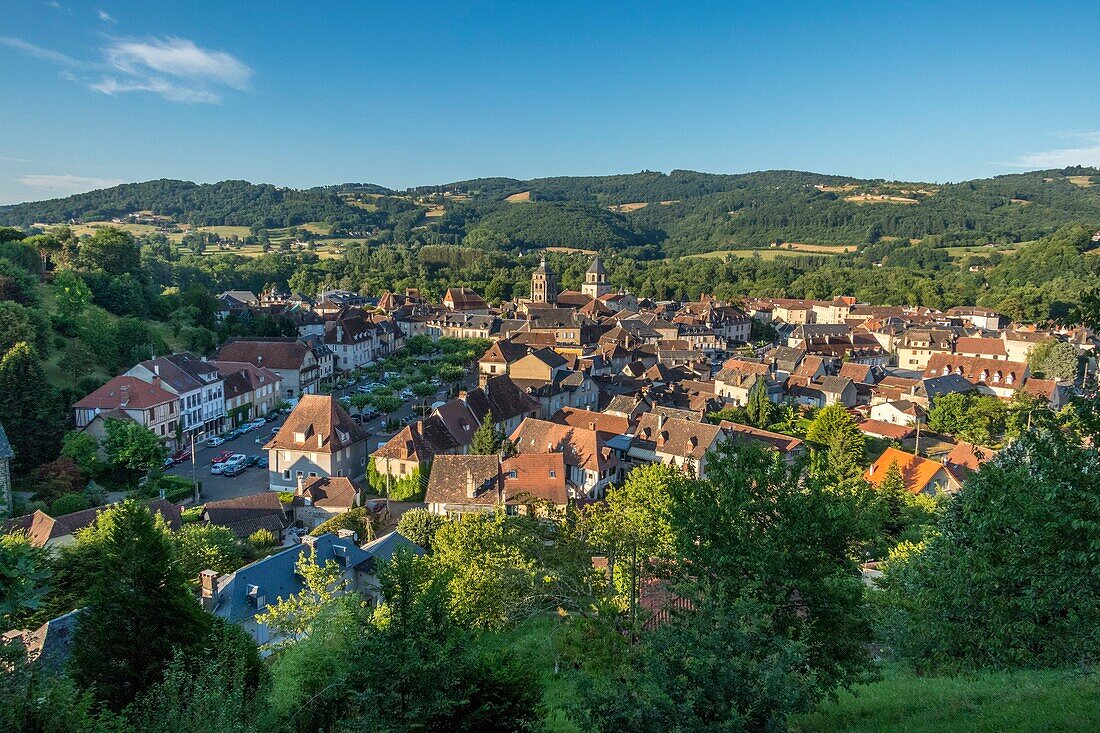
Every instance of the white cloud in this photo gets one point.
(192, 68)
(175, 68)
(64, 184)
(46, 54)
(1087, 152)
(105, 16)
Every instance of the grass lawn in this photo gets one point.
(1020, 702)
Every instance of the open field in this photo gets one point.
(1020, 702)
(571, 250)
(960, 252)
(870, 198)
(837, 189)
(764, 254)
(627, 208)
(519, 197)
(787, 249)
(1082, 181)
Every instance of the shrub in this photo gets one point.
(358, 520)
(69, 503)
(263, 538)
(420, 526)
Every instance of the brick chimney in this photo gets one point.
(471, 490)
(208, 581)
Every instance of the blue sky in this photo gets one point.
(303, 94)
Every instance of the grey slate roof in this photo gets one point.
(273, 577)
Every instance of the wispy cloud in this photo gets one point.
(64, 184)
(105, 16)
(46, 54)
(1085, 152)
(175, 68)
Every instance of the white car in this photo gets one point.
(258, 422)
(214, 442)
(407, 394)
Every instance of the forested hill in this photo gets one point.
(649, 214)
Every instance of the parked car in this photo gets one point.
(214, 441)
(269, 436)
(252, 460)
(168, 462)
(222, 457)
(234, 469)
(183, 454)
(217, 469)
(391, 375)
(233, 434)
(271, 416)
(436, 382)
(407, 394)
(262, 462)
(357, 419)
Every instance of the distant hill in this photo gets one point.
(682, 212)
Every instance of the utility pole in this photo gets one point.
(194, 474)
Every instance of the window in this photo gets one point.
(298, 474)
(286, 474)
(553, 473)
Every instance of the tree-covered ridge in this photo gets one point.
(648, 214)
(228, 203)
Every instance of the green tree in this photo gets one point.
(1053, 359)
(83, 449)
(72, 296)
(358, 520)
(420, 526)
(69, 503)
(112, 250)
(1008, 579)
(133, 446)
(777, 620)
(947, 414)
(291, 618)
(16, 325)
(488, 438)
(24, 574)
(837, 442)
(263, 538)
(139, 609)
(206, 547)
(31, 409)
(214, 691)
(760, 408)
(894, 496)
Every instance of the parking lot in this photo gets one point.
(255, 479)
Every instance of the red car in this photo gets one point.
(221, 457)
(183, 454)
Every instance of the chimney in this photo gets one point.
(471, 491)
(301, 481)
(308, 540)
(462, 394)
(346, 534)
(208, 581)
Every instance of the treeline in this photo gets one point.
(228, 203)
(685, 212)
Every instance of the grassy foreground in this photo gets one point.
(1020, 702)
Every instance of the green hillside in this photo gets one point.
(648, 214)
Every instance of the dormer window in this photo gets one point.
(513, 474)
(997, 376)
(1011, 378)
(299, 437)
(984, 375)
